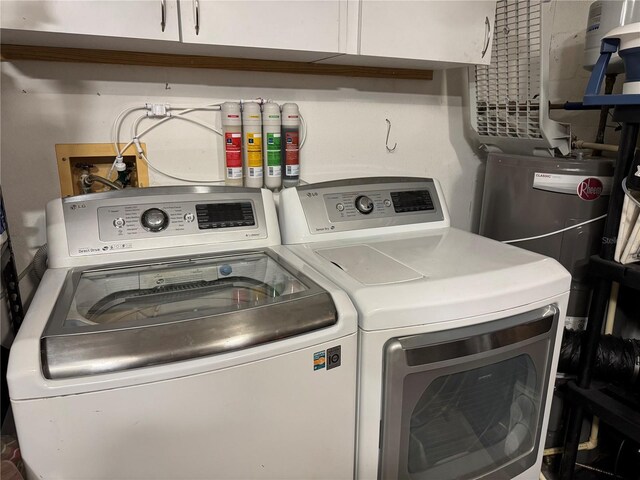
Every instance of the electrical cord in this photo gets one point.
(556, 231)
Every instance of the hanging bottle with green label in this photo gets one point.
(272, 154)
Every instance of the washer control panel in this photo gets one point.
(148, 221)
(369, 203)
(105, 223)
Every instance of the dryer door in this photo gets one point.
(467, 403)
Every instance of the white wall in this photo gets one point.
(48, 103)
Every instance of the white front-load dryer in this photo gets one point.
(459, 335)
(172, 337)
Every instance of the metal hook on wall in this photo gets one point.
(390, 150)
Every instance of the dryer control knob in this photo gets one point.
(364, 204)
(154, 219)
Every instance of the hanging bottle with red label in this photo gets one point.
(291, 144)
(232, 129)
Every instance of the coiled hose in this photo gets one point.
(617, 359)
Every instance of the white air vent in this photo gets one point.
(509, 107)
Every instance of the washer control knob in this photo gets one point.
(154, 219)
(340, 207)
(189, 217)
(364, 204)
(387, 202)
(119, 222)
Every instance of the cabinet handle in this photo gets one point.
(163, 14)
(487, 35)
(197, 6)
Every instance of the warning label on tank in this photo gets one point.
(585, 187)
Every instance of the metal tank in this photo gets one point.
(531, 196)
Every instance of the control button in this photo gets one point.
(225, 270)
(119, 222)
(340, 207)
(154, 220)
(387, 202)
(189, 217)
(364, 204)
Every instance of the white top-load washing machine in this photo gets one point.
(173, 338)
(458, 334)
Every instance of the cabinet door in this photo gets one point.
(439, 31)
(140, 19)
(304, 25)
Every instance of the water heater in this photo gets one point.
(532, 196)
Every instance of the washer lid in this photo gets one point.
(125, 317)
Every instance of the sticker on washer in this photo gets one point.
(319, 360)
(329, 358)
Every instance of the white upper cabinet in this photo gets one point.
(384, 33)
(293, 25)
(136, 19)
(419, 33)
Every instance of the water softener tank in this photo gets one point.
(604, 16)
(531, 196)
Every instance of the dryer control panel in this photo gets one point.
(359, 204)
(161, 217)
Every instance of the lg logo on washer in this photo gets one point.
(329, 358)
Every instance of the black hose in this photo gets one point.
(617, 359)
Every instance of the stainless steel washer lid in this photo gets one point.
(132, 316)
